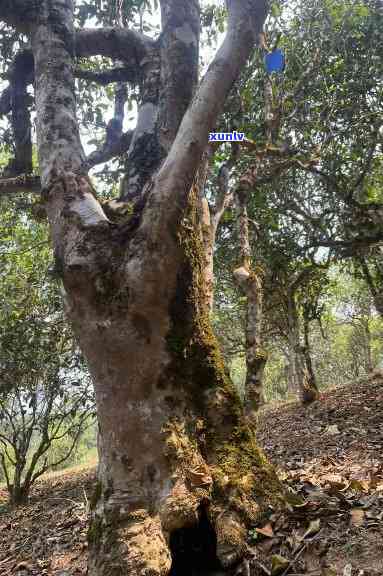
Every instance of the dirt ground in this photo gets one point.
(330, 456)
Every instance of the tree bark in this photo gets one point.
(176, 453)
(250, 281)
(301, 373)
(22, 69)
(211, 214)
(374, 287)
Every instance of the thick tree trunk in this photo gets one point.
(20, 487)
(175, 446)
(179, 464)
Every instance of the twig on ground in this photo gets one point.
(299, 553)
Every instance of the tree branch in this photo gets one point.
(104, 77)
(109, 150)
(116, 43)
(179, 64)
(5, 101)
(115, 141)
(21, 73)
(24, 183)
(144, 155)
(176, 176)
(18, 13)
(225, 196)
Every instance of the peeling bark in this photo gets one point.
(144, 155)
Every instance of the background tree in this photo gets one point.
(45, 392)
(307, 196)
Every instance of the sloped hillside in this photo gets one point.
(330, 456)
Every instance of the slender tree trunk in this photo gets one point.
(366, 337)
(211, 215)
(311, 389)
(369, 359)
(250, 281)
(375, 288)
(301, 370)
(209, 232)
(19, 489)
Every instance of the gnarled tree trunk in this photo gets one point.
(179, 464)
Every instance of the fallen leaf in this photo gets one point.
(359, 485)
(278, 564)
(313, 528)
(24, 566)
(266, 530)
(335, 481)
(295, 500)
(357, 517)
(330, 572)
(332, 429)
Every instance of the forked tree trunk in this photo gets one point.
(175, 447)
(179, 464)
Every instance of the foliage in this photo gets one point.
(45, 393)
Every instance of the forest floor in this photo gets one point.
(330, 456)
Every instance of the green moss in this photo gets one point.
(242, 466)
(95, 532)
(242, 476)
(197, 361)
(97, 493)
